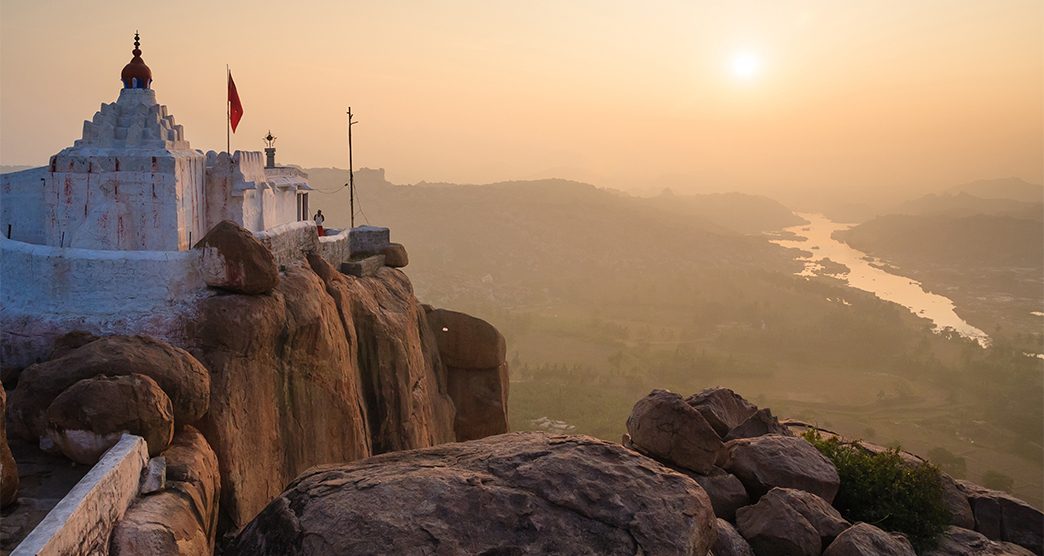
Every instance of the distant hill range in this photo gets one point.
(970, 241)
(1015, 189)
(542, 239)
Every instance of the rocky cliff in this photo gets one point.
(305, 366)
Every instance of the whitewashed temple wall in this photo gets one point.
(46, 291)
(22, 204)
(128, 201)
(242, 190)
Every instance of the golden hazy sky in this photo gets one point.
(721, 95)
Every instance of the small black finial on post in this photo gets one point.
(269, 150)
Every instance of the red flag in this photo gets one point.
(235, 110)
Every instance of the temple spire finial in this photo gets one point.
(136, 75)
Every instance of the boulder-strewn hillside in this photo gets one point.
(710, 474)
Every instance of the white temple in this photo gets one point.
(132, 182)
(100, 239)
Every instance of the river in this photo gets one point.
(866, 274)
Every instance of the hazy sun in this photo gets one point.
(745, 65)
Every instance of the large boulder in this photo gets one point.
(467, 342)
(663, 426)
(92, 415)
(863, 539)
(729, 541)
(395, 255)
(182, 519)
(957, 541)
(765, 462)
(723, 409)
(957, 504)
(760, 423)
(232, 259)
(521, 493)
(477, 374)
(8, 468)
(820, 514)
(184, 379)
(775, 528)
(1002, 517)
(725, 491)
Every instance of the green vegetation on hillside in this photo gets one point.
(885, 491)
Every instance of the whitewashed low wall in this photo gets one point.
(290, 242)
(83, 520)
(335, 248)
(46, 291)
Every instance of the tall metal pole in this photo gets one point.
(351, 170)
(228, 114)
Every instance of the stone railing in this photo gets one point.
(83, 520)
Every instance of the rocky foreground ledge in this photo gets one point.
(520, 493)
(710, 474)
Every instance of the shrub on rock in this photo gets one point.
(883, 489)
(663, 426)
(90, 416)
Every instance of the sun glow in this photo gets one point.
(745, 65)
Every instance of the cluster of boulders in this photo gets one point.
(772, 491)
(86, 396)
(93, 391)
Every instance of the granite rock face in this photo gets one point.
(780, 461)
(182, 518)
(1002, 517)
(863, 539)
(774, 528)
(474, 353)
(327, 368)
(8, 468)
(395, 255)
(92, 415)
(500, 495)
(729, 541)
(820, 514)
(723, 409)
(663, 426)
(233, 259)
(760, 423)
(957, 541)
(726, 492)
(181, 377)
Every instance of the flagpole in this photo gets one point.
(228, 113)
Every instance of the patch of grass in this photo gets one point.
(883, 490)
